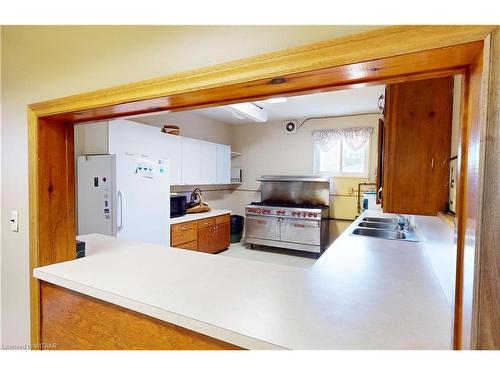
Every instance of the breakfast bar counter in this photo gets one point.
(363, 293)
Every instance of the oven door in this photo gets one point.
(301, 231)
(266, 227)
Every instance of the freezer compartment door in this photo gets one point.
(96, 192)
(301, 231)
(262, 227)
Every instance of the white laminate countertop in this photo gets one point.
(203, 215)
(363, 293)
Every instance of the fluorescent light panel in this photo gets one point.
(280, 99)
(248, 110)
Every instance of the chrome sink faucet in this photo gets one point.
(404, 221)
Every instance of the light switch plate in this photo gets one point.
(14, 223)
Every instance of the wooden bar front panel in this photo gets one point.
(73, 321)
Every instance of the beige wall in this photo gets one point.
(192, 125)
(267, 149)
(44, 62)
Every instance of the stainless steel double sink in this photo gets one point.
(386, 228)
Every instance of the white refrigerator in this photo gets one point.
(126, 195)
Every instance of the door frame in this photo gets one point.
(387, 55)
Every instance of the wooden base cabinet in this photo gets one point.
(417, 143)
(210, 235)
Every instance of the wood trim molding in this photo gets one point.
(488, 303)
(387, 55)
(33, 225)
(371, 45)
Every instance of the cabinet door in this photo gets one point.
(223, 236)
(173, 151)
(206, 239)
(191, 169)
(223, 164)
(183, 233)
(417, 146)
(208, 163)
(380, 160)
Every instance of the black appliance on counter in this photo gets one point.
(177, 205)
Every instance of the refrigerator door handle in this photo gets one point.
(120, 206)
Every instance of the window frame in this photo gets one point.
(340, 174)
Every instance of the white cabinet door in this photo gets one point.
(208, 162)
(223, 164)
(191, 168)
(173, 152)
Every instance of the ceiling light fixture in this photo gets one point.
(280, 99)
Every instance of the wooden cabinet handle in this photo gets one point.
(184, 228)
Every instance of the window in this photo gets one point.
(342, 160)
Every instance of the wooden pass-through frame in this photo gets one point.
(387, 55)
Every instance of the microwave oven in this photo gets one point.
(177, 205)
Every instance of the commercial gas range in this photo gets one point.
(293, 214)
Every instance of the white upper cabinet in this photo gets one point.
(223, 164)
(192, 161)
(173, 147)
(191, 157)
(208, 162)
(129, 136)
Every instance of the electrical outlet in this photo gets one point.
(14, 221)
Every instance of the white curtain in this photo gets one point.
(327, 138)
(355, 138)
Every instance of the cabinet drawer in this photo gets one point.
(205, 223)
(183, 233)
(193, 245)
(222, 219)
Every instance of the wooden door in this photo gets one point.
(222, 236)
(380, 159)
(207, 239)
(214, 238)
(417, 146)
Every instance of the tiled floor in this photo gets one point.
(281, 256)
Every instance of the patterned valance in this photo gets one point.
(355, 138)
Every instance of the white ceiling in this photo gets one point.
(335, 103)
